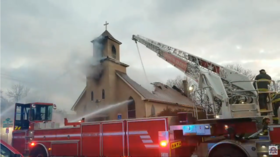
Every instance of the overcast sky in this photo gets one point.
(43, 41)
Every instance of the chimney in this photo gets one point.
(185, 87)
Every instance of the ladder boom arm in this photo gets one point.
(177, 57)
(192, 65)
(222, 84)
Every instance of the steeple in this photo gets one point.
(111, 46)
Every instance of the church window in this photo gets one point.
(114, 52)
(103, 94)
(153, 111)
(131, 113)
(92, 96)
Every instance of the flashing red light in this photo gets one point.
(32, 144)
(163, 143)
(226, 127)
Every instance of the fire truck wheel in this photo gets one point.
(227, 150)
(38, 151)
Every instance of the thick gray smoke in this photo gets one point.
(56, 87)
(87, 66)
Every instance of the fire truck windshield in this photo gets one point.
(41, 113)
(22, 116)
(25, 113)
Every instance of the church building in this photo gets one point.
(108, 84)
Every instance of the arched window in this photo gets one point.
(131, 111)
(103, 94)
(114, 52)
(153, 111)
(92, 96)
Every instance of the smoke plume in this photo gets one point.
(87, 66)
(56, 85)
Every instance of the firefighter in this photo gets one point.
(275, 99)
(265, 124)
(261, 84)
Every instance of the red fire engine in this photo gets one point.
(228, 126)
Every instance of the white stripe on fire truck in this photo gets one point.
(137, 132)
(113, 133)
(145, 136)
(104, 134)
(147, 141)
(93, 134)
(50, 136)
(18, 136)
(151, 146)
(71, 135)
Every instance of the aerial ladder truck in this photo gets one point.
(229, 99)
(227, 94)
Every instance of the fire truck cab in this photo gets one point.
(25, 118)
(27, 114)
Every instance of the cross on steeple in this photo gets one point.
(106, 23)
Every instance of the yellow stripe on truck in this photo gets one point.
(276, 100)
(176, 144)
(263, 80)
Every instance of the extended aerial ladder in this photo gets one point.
(227, 93)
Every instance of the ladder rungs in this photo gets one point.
(265, 111)
(267, 92)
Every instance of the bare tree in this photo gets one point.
(17, 92)
(241, 70)
(36, 96)
(178, 82)
(4, 104)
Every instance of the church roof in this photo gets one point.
(109, 36)
(139, 89)
(162, 93)
(78, 100)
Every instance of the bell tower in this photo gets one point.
(111, 46)
(102, 86)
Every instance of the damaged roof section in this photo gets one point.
(168, 94)
(162, 92)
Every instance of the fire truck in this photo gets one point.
(229, 125)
